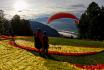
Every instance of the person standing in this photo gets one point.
(38, 39)
(45, 44)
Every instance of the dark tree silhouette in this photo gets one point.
(92, 22)
(3, 24)
(20, 26)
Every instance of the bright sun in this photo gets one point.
(20, 5)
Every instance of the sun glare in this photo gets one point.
(20, 5)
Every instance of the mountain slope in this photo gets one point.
(50, 31)
(60, 24)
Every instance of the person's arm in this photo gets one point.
(47, 38)
(42, 40)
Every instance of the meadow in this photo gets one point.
(13, 58)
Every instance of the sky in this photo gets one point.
(32, 8)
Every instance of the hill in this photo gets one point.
(50, 31)
(60, 24)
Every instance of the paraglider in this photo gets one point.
(63, 15)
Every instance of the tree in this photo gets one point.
(92, 13)
(100, 21)
(92, 22)
(20, 26)
(26, 28)
(83, 26)
(15, 24)
(3, 23)
(92, 10)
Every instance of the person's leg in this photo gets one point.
(39, 52)
(43, 51)
(46, 51)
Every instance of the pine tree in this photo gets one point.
(3, 23)
(20, 26)
(91, 22)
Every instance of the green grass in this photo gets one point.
(75, 42)
(71, 42)
(12, 58)
(60, 48)
(85, 59)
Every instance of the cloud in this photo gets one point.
(48, 6)
(79, 5)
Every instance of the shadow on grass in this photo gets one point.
(44, 56)
(82, 59)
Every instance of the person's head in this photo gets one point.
(44, 32)
(38, 30)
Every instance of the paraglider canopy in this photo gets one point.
(63, 15)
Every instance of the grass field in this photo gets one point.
(12, 58)
(71, 42)
(83, 46)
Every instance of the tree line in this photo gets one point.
(91, 25)
(16, 25)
